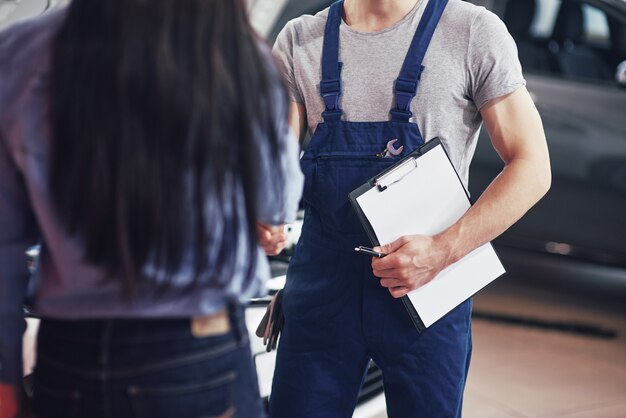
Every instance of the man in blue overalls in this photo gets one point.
(351, 84)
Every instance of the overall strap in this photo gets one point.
(330, 85)
(408, 81)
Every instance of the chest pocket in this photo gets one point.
(334, 177)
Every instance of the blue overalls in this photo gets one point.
(337, 315)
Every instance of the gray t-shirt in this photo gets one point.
(471, 60)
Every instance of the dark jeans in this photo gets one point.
(144, 369)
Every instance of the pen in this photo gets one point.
(369, 251)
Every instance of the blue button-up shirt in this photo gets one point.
(68, 287)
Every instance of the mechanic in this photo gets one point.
(352, 87)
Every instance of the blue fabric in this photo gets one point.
(330, 85)
(408, 81)
(337, 316)
(143, 368)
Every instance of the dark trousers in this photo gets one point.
(144, 368)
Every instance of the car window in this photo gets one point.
(545, 16)
(595, 23)
(570, 39)
(596, 27)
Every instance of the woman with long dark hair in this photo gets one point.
(142, 143)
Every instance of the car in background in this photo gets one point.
(573, 54)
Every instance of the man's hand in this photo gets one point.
(9, 401)
(271, 238)
(411, 262)
(517, 135)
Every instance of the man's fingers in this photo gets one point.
(272, 245)
(277, 238)
(270, 233)
(398, 292)
(268, 238)
(273, 251)
(264, 234)
(390, 282)
(391, 262)
(386, 263)
(273, 248)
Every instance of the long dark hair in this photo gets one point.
(155, 105)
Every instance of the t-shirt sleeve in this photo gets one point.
(283, 52)
(494, 65)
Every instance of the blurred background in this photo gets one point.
(550, 335)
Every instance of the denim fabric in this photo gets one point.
(143, 368)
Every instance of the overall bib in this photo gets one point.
(337, 315)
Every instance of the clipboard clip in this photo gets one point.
(396, 174)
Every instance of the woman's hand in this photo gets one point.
(411, 262)
(271, 238)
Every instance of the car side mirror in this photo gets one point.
(620, 74)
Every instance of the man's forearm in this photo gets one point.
(511, 194)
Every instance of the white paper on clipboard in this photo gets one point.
(425, 199)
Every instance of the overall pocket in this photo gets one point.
(336, 176)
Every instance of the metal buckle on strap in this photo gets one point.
(401, 115)
(330, 86)
(406, 86)
(331, 101)
(330, 91)
(403, 101)
(332, 115)
(405, 91)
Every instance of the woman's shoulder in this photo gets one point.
(24, 62)
(29, 36)
(25, 50)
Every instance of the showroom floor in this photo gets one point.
(546, 354)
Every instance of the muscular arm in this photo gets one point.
(517, 135)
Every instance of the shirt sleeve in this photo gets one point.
(17, 233)
(283, 52)
(280, 179)
(494, 65)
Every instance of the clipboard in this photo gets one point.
(423, 194)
